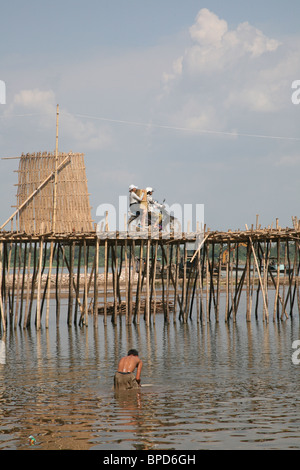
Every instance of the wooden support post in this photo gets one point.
(114, 266)
(96, 284)
(248, 280)
(139, 286)
(130, 280)
(49, 284)
(183, 298)
(277, 282)
(154, 280)
(27, 285)
(126, 276)
(260, 280)
(78, 284)
(167, 283)
(176, 280)
(3, 322)
(147, 309)
(85, 301)
(23, 284)
(39, 277)
(57, 283)
(105, 279)
(297, 254)
(33, 282)
(71, 281)
(219, 282)
(18, 285)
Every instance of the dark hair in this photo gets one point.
(133, 352)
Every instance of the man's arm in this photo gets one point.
(138, 372)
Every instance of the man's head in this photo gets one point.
(133, 352)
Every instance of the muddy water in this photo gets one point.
(213, 386)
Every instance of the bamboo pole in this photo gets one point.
(85, 298)
(231, 283)
(105, 279)
(130, 280)
(297, 278)
(96, 284)
(248, 280)
(27, 285)
(147, 283)
(23, 284)
(49, 285)
(7, 294)
(126, 279)
(154, 280)
(260, 280)
(3, 322)
(114, 266)
(277, 282)
(162, 272)
(39, 277)
(218, 283)
(18, 285)
(71, 281)
(78, 284)
(176, 280)
(57, 283)
(139, 286)
(167, 283)
(33, 283)
(55, 174)
(183, 298)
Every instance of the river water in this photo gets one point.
(212, 386)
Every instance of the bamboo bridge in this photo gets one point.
(53, 250)
(138, 277)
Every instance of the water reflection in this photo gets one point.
(214, 385)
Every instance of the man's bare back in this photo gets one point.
(129, 363)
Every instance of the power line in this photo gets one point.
(185, 129)
(164, 126)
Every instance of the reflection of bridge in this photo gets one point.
(99, 273)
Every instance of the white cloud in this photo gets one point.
(34, 100)
(228, 71)
(76, 131)
(215, 47)
(208, 29)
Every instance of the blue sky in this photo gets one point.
(190, 97)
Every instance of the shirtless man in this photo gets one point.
(124, 377)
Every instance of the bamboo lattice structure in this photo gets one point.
(64, 210)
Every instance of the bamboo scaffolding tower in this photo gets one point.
(52, 194)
